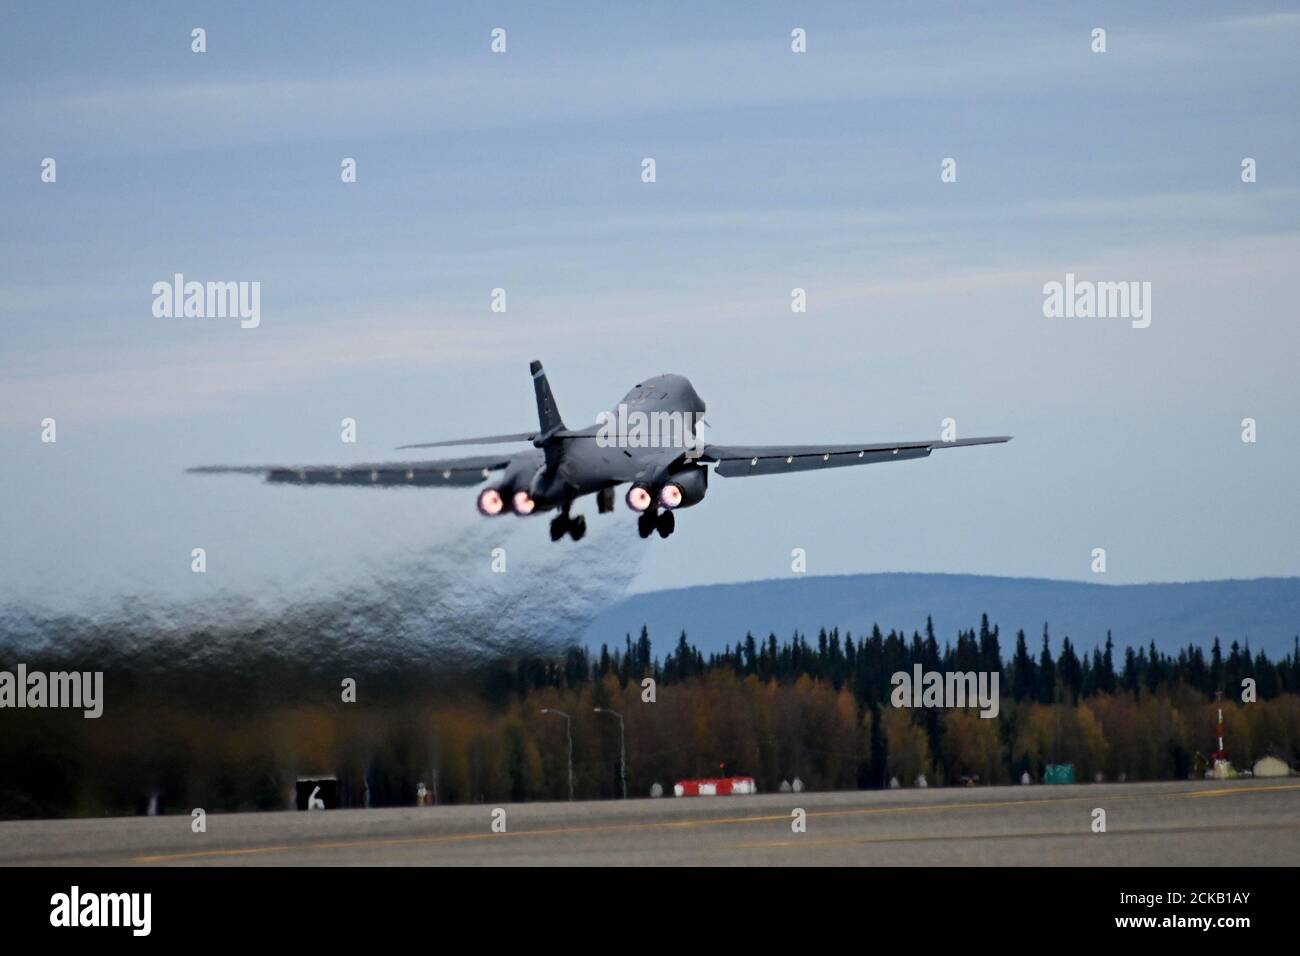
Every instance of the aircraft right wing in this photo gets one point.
(451, 472)
(736, 461)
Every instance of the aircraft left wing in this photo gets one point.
(482, 440)
(450, 472)
(736, 461)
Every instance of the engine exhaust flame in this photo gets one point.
(671, 496)
(638, 498)
(490, 503)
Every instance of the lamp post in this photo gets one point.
(568, 729)
(622, 747)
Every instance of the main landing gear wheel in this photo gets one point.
(667, 522)
(645, 524)
(564, 523)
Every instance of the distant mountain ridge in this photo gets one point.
(1264, 610)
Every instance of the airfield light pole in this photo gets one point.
(568, 729)
(1220, 754)
(622, 748)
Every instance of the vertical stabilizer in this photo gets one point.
(548, 416)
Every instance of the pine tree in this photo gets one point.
(1070, 671)
(1131, 673)
(1107, 679)
(642, 662)
(1046, 673)
(1024, 674)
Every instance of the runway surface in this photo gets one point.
(1246, 822)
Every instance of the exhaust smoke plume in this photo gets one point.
(220, 701)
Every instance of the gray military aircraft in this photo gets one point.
(651, 441)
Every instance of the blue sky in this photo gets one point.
(775, 170)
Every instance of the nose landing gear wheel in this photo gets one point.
(577, 527)
(645, 525)
(667, 522)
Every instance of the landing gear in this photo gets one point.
(562, 524)
(649, 522)
(605, 500)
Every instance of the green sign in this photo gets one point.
(1059, 773)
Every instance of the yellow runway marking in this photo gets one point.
(674, 824)
(1231, 790)
(1036, 834)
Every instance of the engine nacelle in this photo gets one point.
(517, 486)
(685, 487)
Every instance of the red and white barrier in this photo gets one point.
(715, 787)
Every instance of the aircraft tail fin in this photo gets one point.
(548, 416)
